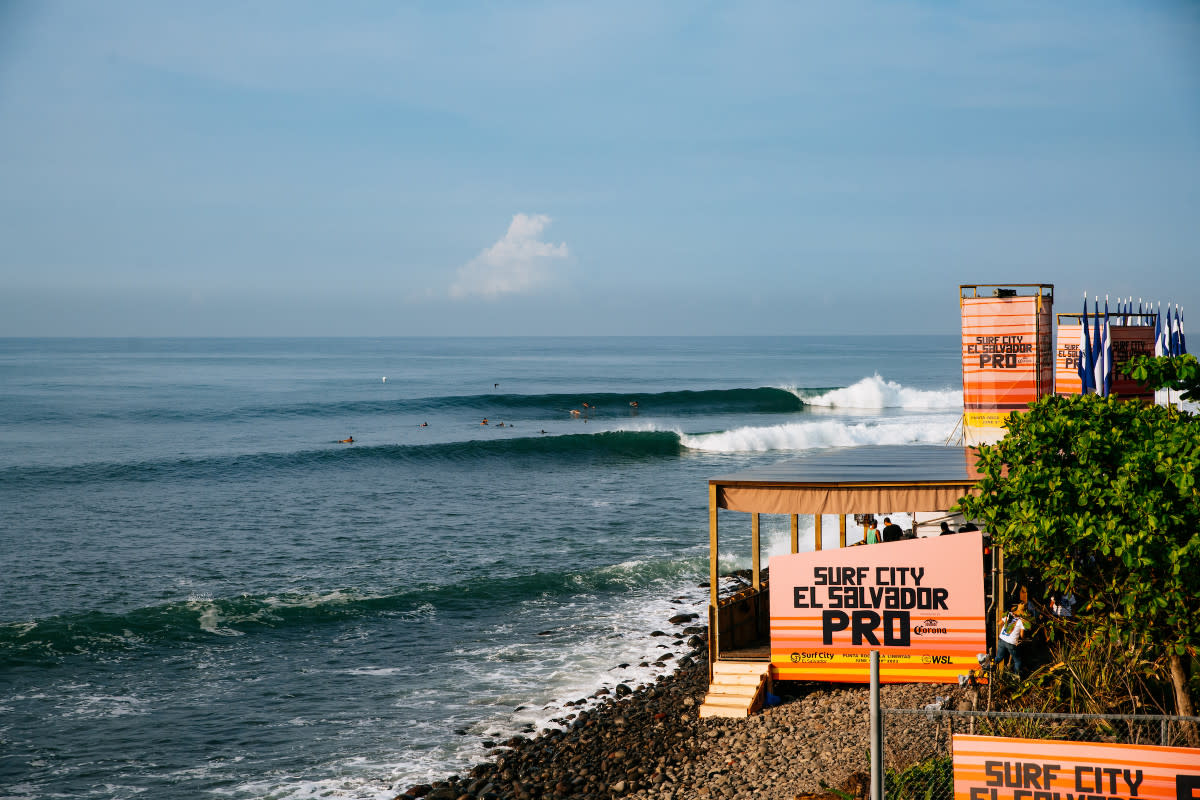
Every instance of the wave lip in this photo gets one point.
(875, 392)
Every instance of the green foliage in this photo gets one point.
(1100, 497)
(931, 779)
(1090, 675)
(1181, 373)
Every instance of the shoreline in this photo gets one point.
(648, 742)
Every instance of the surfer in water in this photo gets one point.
(347, 440)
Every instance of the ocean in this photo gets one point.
(207, 593)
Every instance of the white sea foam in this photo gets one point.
(313, 600)
(210, 622)
(519, 683)
(376, 671)
(875, 392)
(932, 429)
(104, 705)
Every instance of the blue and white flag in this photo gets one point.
(1103, 353)
(1160, 334)
(1087, 361)
(1182, 338)
(1173, 337)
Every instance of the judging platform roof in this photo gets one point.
(856, 480)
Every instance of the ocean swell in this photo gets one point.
(199, 619)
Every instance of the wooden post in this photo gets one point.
(842, 530)
(998, 587)
(714, 614)
(817, 531)
(754, 547)
(796, 533)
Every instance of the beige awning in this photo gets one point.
(851, 481)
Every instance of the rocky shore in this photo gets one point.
(648, 742)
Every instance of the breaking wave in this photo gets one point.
(826, 433)
(875, 392)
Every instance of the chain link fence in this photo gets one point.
(918, 743)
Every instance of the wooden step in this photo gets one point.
(722, 699)
(737, 680)
(737, 689)
(755, 668)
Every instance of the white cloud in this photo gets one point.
(519, 262)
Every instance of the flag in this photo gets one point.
(1103, 347)
(1160, 334)
(1108, 352)
(1182, 339)
(1087, 363)
(1173, 341)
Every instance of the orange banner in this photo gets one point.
(1007, 360)
(916, 601)
(992, 768)
(1128, 341)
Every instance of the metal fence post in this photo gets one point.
(876, 732)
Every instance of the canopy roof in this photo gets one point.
(877, 478)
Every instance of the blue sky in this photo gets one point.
(587, 168)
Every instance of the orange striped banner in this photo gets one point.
(915, 601)
(1007, 360)
(993, 768)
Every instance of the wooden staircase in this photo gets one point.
(738, 689)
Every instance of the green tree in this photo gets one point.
(1180, 373)
(1099, 496)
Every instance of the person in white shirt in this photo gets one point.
(1012, 631)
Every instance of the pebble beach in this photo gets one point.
(648, 742)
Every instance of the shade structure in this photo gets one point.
(853, 480)
(858, 480)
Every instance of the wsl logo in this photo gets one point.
(929, 626)
(936, 660)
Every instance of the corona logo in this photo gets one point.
(929, 626)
